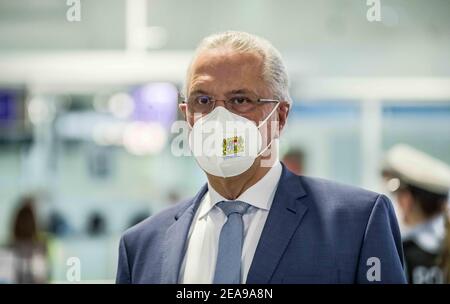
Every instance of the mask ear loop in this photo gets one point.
(189, 125)
(264, 121)
(270, 114)
(187, 121)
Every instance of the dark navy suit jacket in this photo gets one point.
(317, 231)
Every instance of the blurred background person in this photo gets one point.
(294, 160)
(57, 224)
(28, 245)
(96, 225)
(421, 185)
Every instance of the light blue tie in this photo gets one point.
(228, 266)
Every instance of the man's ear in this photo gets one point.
(183, 109)
(283, 112)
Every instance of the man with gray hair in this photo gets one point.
(254, 221)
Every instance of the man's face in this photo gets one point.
(222, 73)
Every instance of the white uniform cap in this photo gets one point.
(418, 169)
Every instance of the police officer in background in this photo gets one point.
(421, 186)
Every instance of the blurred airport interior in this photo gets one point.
(86, 109)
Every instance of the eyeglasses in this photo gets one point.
(204, 104)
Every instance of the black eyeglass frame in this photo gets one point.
(182, 99)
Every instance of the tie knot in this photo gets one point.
(229, 207)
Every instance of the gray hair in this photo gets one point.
(274, 70)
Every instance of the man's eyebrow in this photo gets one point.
(241, 91)
(232, 92)
(198, 92)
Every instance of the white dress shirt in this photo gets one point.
(199, 262)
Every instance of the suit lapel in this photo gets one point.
(176, 236)
(284, 217)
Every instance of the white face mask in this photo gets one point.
(226, 144)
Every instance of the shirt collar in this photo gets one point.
(429, 235)
(260, 195)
